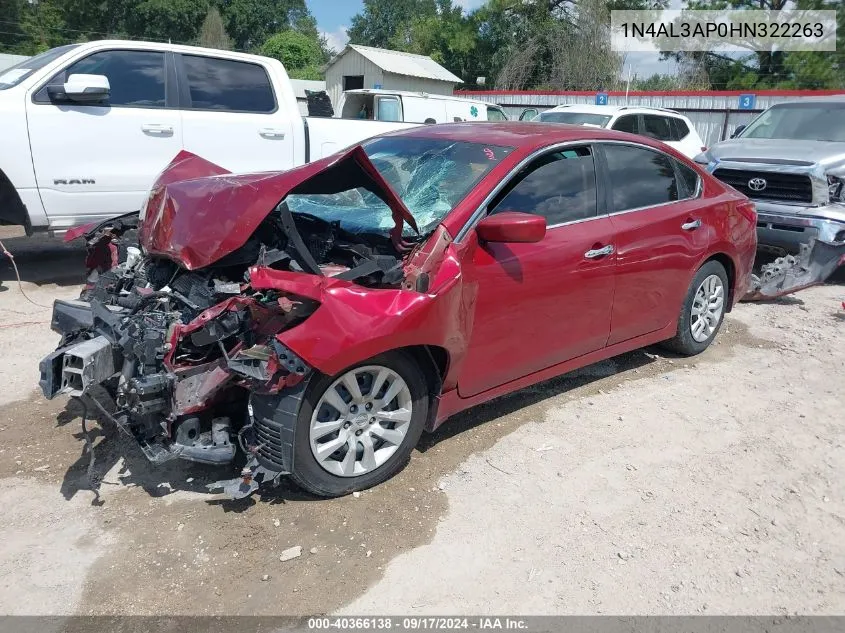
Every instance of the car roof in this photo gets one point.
(526, 135)
(609, 109)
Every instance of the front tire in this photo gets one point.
(703, 310)
(357, 429)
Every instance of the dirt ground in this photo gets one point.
(646, 484)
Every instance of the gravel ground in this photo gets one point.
(646, 484)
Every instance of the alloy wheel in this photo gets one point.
(707, 307)
(360, 420)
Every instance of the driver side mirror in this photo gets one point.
(738, 130)
(82, 89)
(511, 226)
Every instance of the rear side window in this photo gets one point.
(560, 186)
(680, 129)
(627, 123)
(689, 180)
(136, 78)
(656, 127)
(227, 85)
(640, 177)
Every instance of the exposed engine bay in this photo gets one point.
(180, 350)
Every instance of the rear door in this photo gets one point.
(541, 304)
(231, 115)
(100, 159)
(659, 218)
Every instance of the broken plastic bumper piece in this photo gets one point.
(812, 266)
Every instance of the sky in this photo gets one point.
(334, 16)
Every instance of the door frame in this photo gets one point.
(171, 83)
(608, 183)
(185, 103)
(481, 211)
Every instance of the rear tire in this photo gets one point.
(376, 459)
(702, 312)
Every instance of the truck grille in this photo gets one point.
(779, 186)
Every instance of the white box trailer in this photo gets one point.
(414, 107)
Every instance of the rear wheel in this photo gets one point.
(358, 428)
(703, 310)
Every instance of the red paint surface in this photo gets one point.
(509, 315)
(511, 226)
(193, 193)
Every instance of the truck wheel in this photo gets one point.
(355, 430)
(702, 312)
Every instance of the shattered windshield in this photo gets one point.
(800, 121)
(431, 176)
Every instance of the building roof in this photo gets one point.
(400, 63)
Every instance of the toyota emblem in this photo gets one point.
(757, 184)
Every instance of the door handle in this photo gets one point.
(691, 225)
(268, 132)
(157, 128)
(599, 252)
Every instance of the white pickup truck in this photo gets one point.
(86, 128)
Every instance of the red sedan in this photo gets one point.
(326, 316)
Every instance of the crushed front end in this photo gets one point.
(178, 334)
(178, 352)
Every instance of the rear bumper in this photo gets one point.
(787, 227)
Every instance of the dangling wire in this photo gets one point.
(18, 276)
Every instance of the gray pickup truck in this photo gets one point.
(790, 161)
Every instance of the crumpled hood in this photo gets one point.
(198, 213)
(779, 151)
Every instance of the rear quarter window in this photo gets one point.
(680, 130)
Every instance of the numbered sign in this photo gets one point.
(747, 102)
(601, 98)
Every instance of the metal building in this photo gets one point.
(365, 67)
(715, 114)
(7, 61)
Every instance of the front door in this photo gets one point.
(99, 160)
(661, 234)
(231, 115)
(541, 304)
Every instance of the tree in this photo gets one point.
(251, 22)
(300, 53)
(447, 36)
(769, 69)
(44, 26)
(167, 20)
(13, 39)
(213, 32)
(381, 19)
